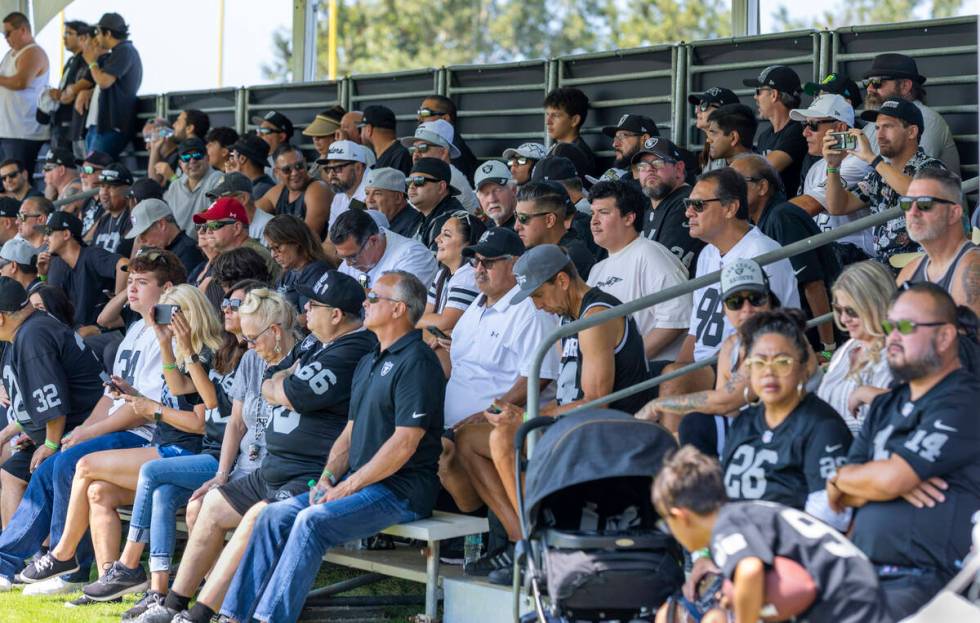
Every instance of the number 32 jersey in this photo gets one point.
(787, 463)
(708, 323)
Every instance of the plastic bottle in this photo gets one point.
(472, 545)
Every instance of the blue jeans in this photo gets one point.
(111, 142)
(164, 486)
(288, 543)
(44, 507)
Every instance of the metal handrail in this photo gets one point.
(85, 194)
(807, 244)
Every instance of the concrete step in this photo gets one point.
(474, 600)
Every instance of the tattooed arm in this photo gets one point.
(966, 289)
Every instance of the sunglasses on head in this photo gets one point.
(876, 83)
(296, 166)
(231, 304)
(194, 155)
(151, 255)
(698, 205)
(842, 311)
(428, 112)
(418, 180)
(814, 126)
(781, 365)
(520, 160)
(737, 300)
(90, 170)
(906, 327)
(212, 226)
(924, 203)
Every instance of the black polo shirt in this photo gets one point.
(407, 222)
(432, 224)
(402, 385)
(187, 251)
(667, 225)
(94, 272)
(787, 223)
(395, 157)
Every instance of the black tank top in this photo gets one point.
(946, 281)
(629, 357)
(296, 207)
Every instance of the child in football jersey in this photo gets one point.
(745, 538)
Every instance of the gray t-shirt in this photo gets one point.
(247, 389)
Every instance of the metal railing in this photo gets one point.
(534, 377)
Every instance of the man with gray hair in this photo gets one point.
(434, 139)
(496, 190)
(154, 225)
(18, 260)
(385, 191)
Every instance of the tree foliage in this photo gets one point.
(856, 12)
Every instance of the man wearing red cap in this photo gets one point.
(225, 224)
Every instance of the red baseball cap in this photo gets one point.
(222, 209)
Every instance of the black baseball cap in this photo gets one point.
(9, 207)
(835, 83)
(191, 145)
(233, 182)
(98, 158)
(279, 120)
(336, 290)
(553, 168)
(116, 174)
(146, 188)
(253, 148)
(113, 22)
(436, 169)
(659, 147)
(379, 117)
(715, 96)
(13, 296)
(893, 65)
(61, 156)
(496, 242)
(898, 108)
(640, 124)
(63, 221)
(779, 77)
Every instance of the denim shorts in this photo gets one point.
(170, 450)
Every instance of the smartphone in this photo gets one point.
(436, 331)
(844, 141)
(163, 314)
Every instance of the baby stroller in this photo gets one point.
(591, 548)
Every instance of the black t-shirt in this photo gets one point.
(467, 162)
(582, 228)
(299, 442)
(400, 386)
(787, 463)
(118, 103)
(432, 224)
(72, 71)
(668, 226)
(937, 435)
(395, 157)
(787, 223)
(847, 586)
(589, 156)
(187, 251)
(216, 419)
(407, 222)
(790, 140)
(261, 185)
(629, 359)
(165, 434)
(110, 233)
(94, 272)
(49, 372)
(578, 253)
(307, 275)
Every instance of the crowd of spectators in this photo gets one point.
(302, 349)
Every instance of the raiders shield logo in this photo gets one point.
(622, 120)
(650, 143)
(487, 168)
(386, 368)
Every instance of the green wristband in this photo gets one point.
(50, 445)
(42, 277)
(170, 366)
(330, 476)
(699, 554)
(832, 170)
(19, 426)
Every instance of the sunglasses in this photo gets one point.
(296, 166)
(842, 311)
(49, 167)
(373, 297)
(10, 176)
(706, 106)
(653, 165)
(252, 340)
(23, 216)
(212, 226)
(151, 255)
(336, 168)
(428, 112)
(231, 304)
(814, 126)
(781, 366)
(762, 90)
(755, 299)
(487, 263)
(513, 162)
(698, 204)
(422, 148)
(524, 219)
(924, 204)
(90, 170)
(194, 155)
(419, 180)
(875, 83)
(267, 130)
(906, 327)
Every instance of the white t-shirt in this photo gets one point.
(852, 171)
(709, 325)
(138, 361)
(645, 267)
(466, 195)
(458, 292)
(492, 347)
(401, 253)
(341, 202)
(256, 226)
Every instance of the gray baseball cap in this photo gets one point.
(492, 171)
(743, 275)
(386, 178)
(535, 267)
(534, 151)
(439, 133)
(17, 250)
(234, 182)
(146, 213)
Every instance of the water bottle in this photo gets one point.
(471, 548)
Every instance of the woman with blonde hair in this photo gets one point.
(859, 371)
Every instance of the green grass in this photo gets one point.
(15, 608)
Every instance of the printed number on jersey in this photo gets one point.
(711, 320)
(745, 476)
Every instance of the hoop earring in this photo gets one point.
(278, 348)
(745, 395)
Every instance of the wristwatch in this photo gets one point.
(158, 414)
(195, 358)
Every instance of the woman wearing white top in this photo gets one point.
(859, 371)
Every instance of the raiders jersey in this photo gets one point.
(166, 434)
(216, 419)
(787, 463)
(630, 359)
(299, 442)
(847, 587)
(937, 435)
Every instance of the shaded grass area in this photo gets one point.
(15, 608)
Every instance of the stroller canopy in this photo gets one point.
(593, 445)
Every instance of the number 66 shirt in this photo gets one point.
(709, 326)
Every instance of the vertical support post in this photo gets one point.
(241, 106)
(826, 44)
(331, 40)
(678, 104)
(221, 43)
(303, 61)
(432, 581)
(745, 18)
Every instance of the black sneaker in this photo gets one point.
(86, 601)
(451, 551)
(149, 599)
(503, 577)
(46, 567)
(118, 580)
(483, 566)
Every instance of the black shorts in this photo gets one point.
(244, 493)
(19, 464)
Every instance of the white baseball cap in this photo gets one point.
(345, 151)
(828, 105)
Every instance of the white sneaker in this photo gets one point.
(53, 586)
(5, 584)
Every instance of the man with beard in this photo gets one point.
(298, 194)
(914, 464)
(899, 129)
(628, 137)
(661, 171)
(896, 75)
(343, 169)
(934, 218)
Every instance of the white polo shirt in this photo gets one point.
(341, 202)
(401, 253)
(492, 347)
(645, 267)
